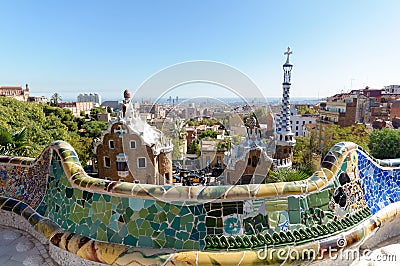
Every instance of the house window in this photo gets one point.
(254, 161)
(141, 162)
(122, 166)
(107, 162)
(297, 122)
(132, 145)
(111, 144)
(297, 128)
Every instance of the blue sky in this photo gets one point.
(106, 46)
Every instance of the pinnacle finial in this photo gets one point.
(288, 53)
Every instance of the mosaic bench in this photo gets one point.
(118, 223)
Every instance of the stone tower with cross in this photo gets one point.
(285, 142)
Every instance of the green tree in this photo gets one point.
(65, 115)
(208, 134)
(176, 152)
(261, 115)
(224, 145)
(334, 134)
(93, 129)
(97, 110)
(384, 143)
(43, 124)
(305, 110)
(304, 151)
(194, 148)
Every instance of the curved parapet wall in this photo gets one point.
(85, 215)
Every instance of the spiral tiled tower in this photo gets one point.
(286, 141)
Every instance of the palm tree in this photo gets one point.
(286, 175)
(55, 98)
(177, 132)
(13, 144)
(178, 129)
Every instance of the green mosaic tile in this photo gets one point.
(304, 203)
(294, 217)
(166, 207)
(148, 203)
(139, 222)
(106, 198)
(161, 204)
(159, 243)
(114, 226)
(163, 226)
(101, 234)
(130, 240)
(178, 244)
(170, 216)
(143, 213)
(145, 241)
(154, 226)
(82, 229)
(78, 194)
(174, 210)
(189, 227)
(151, 217)
(159, 208)
(170, 241)
(187, 219)
(294, 203)
(136, 204)
(116, 238)
(110, 233)
(188, 245)
(176, 223)
(182, 235)
(96, 197)
(184, 210)
(115, 200)
(145, 225)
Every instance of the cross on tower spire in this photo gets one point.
(288, 53)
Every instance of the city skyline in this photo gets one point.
(105, 47)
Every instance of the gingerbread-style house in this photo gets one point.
(131, 150)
